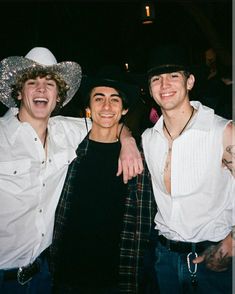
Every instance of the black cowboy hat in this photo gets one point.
(168, 58)
(113, 77)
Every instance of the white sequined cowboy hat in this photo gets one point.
(13, 66)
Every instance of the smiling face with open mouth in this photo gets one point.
(38, 98)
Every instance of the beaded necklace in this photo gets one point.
(183, 127)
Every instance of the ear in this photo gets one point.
(150, 91)
(19, 96)
(190, 82)
(88, 112)
(124, 112)
(58, 99)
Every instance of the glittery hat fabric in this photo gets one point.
(39, 57)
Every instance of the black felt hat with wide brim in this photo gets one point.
(113, 77)
(168, 58)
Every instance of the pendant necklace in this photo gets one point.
(164, 125)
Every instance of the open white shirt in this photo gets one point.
(201, 203)
(31, 183)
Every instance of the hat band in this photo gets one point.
(165, 66)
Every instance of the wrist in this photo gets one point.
(127, 140)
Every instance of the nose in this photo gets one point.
(165, 82)
(106, 104)
(41, 87)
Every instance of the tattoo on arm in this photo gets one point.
(231, 150)
(215, 258)
(230, 163)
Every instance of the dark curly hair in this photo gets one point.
(33, 73)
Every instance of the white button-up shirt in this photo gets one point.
(201, 203)
(31, 183)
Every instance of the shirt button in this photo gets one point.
(49, 160)
(40, 210)
(15, 172)
(43, 235)
(35, 139)
(43, 184)
(43, 162)
(68, 161)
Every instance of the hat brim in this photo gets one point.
(131, 91)
(13, 66)
(167, 69)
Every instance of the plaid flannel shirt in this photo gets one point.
(138, 218)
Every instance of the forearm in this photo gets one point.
(130, 162)
(229, 148)
(124, 133)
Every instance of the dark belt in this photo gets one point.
(25, 273)
(185, 247)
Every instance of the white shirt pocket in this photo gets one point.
(64, 158)
(14, 176)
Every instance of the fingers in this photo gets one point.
(214, 258)
(139, 166)
(130, 168)
(119, 167)
(126, 171)
(199, 259)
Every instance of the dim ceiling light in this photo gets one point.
(148, 13)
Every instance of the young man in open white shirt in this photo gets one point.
(190, 156)
(35, 151)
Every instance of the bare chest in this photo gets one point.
(167, 169)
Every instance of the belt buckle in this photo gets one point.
(23, 275)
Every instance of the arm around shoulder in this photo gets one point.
(130, 161)
(74, 128)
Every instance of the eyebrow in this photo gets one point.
(102, 94)
(48, 78)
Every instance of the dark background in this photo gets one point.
(95, 33)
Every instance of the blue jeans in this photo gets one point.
(173, 275)
(39, 284)
(66, 289)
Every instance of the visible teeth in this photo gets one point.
(40, 100)
(166, 94)
(106, 115)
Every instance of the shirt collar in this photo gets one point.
(202, 120)
(204, 117)
(12, 123)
